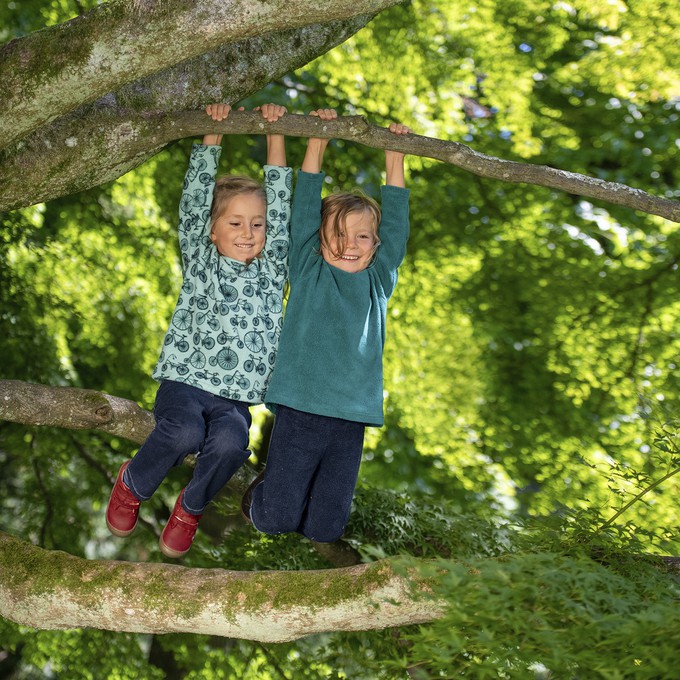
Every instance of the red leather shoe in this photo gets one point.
(123, 509)
(179, 532)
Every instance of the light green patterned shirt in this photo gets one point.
(225, 329)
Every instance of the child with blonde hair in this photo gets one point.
(327, 385)
(218, 353)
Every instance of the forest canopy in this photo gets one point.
(527, 469)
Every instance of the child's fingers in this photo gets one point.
(324, 114)
(400, 129)
(218, 111)
(272, 112)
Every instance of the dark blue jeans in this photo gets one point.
(312, 468)
(190, 420)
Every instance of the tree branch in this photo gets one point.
(138, 134)
(78, 409)
(357, 129)
(53, 590)
(88, 146)
(53, 71)
(74, 409)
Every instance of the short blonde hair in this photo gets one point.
(334, 211)
(229, 186)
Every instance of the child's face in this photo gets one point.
(240, 231)
(360, 239)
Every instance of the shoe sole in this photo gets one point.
(119, 532)
(169, 552)
(247, 505)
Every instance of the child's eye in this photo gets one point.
(258, 225)
(235, 224)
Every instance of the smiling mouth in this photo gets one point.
(351, 258)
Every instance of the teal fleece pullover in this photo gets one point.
(330, 353)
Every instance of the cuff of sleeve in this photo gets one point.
(311, 176)
(287, 169)
(395, 192)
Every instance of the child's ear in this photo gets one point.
(213, 238)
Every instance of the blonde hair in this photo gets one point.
(334, 211)
(229, 186)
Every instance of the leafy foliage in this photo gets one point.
(531, 446)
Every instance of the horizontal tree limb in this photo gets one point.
(84, 148)
(50, 72)
(74, 409)
(54, 590)
(137, 135)
(358, 129)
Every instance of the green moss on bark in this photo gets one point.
(169, 590)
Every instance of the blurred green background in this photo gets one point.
(532, 384)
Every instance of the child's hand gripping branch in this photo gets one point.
(316, 146)
(394, 160)
(276, 145)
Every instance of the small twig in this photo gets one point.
(651, 487)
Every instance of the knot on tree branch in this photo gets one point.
(104, 413)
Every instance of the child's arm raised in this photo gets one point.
(276, 144)
(394, 160)
(316, 146)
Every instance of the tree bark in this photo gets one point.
(53, 71)
(53, 590)
(74, 409)
(138, 134)
(91, 145)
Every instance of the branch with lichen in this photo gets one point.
(54, 590)
(51, 72)
(136, 135)
(90, 145)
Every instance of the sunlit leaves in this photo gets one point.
(531, 366)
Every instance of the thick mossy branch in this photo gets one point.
(90, 145)
(53, 71)
(54, 590)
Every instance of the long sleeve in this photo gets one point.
(197, 194)
(278, 182)
(306, 218)
(394, 232)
